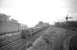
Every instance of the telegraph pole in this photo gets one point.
(66, 18)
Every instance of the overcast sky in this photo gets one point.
(31, 11)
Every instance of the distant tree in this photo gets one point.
(14, 21)
(67, 17)
(41, 22)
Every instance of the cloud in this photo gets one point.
(71, 6)
(1, 2)
(7, 3)
(31, 11)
